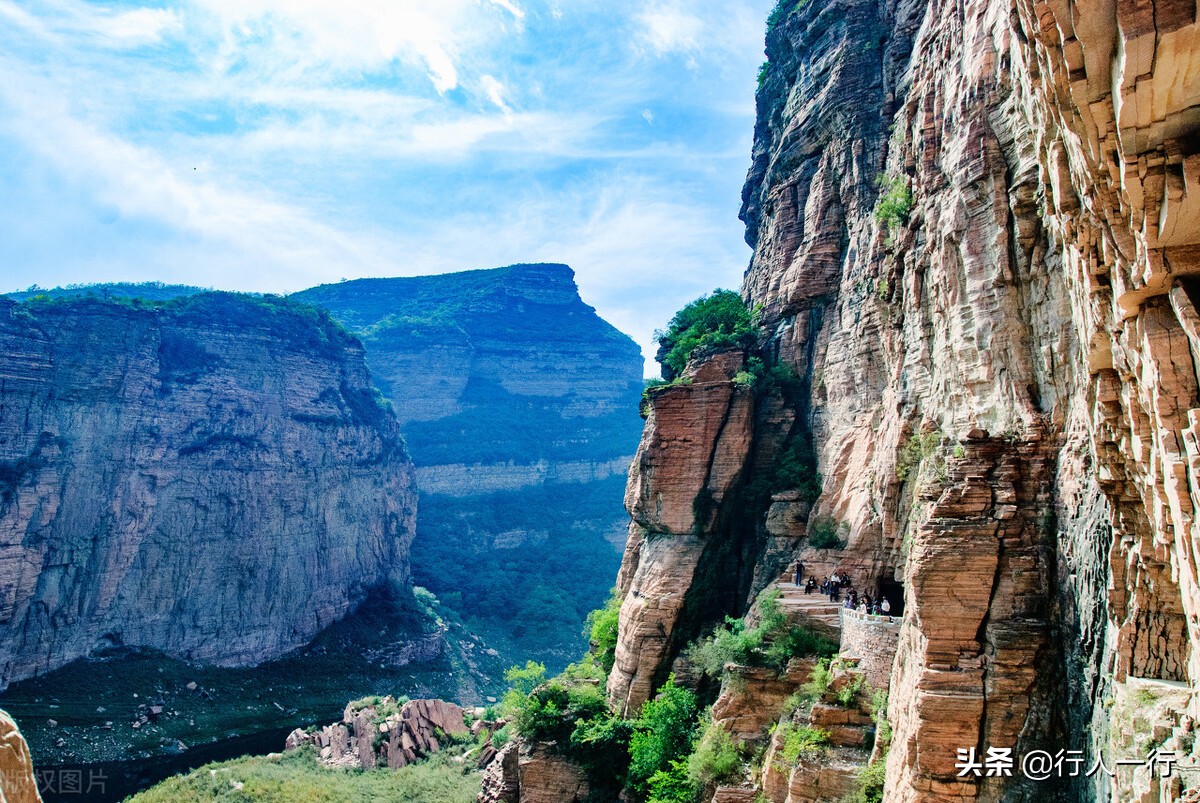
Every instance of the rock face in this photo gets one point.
(384, 733)
(213, 477)
(520, 407)
(695, 448)
(17, 781)
(533, 773)
(977, 242)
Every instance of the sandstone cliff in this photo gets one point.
(976, 230)
(17, 781)
(212, 477)
(519, 405)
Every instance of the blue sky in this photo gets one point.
(270, 145)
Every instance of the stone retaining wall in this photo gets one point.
(872, 640)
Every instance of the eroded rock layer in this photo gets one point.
(977, 236)
(215, 478)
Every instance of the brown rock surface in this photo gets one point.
(17, 781)
(384, 734)
(693, 451)
(550, 778)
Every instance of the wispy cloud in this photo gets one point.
(274, 144)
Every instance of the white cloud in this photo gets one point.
(352, 36)
(511, 8)
(495, 93)
(670, 29)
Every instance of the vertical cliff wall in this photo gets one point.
(975, 229)
(213, 477)
(520, 406)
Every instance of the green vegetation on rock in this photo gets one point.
(895, 202)
(718, 320)
(772, 642)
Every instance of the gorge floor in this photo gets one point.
(82, 716)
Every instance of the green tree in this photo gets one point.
(664, 732)
(710, 322)
(602, 631)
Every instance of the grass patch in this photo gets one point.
(297, 776)
(801, 740)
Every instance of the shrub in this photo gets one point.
(797, 469)
(663, 733)
(764, 72)
(602, 631)
(818, 682)
(715, 759)
(825, 533)
(871, 780)
(781, 11)
(772, 642)
(895, 202)
(849, 693)
(883, 728)
(802, 740)
(672, 785)
(603, 742)
(710, 322)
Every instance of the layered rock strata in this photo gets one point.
(976, 229)
(215, 478)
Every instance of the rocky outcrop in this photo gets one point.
(694, 450)
(520, 407)
(17, 781)
(212, 477)
(976, 231)
(384, 733)
(533, 773)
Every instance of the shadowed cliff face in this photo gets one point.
(975, 230)
(214, 478)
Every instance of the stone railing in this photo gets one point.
(872, 640)
(881, 619)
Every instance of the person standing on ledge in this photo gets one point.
(799, 572)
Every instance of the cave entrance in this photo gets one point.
(893, 592)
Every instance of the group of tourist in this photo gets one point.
(834, 586)
(864, 604)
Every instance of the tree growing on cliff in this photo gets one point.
(710, 322)
(663, 734)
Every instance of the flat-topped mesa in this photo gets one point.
(519, 404)
(214, 477)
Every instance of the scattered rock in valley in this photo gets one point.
(384, 732)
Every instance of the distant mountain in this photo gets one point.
(520, 408)
(148, 291)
